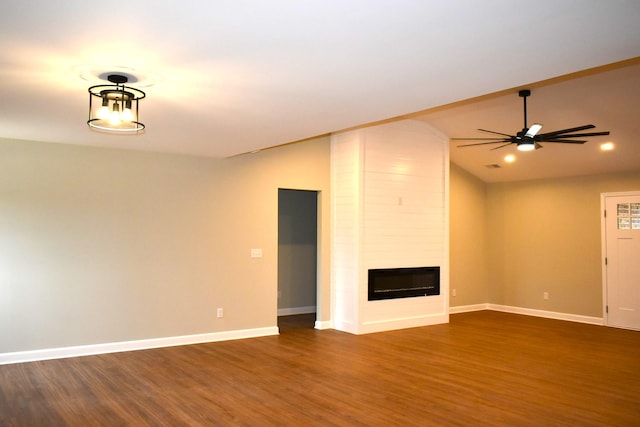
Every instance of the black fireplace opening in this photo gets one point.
(389, 283)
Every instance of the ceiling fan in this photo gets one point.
(529, 138)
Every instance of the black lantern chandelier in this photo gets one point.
(116, 106)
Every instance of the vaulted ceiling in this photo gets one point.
(606, 97)
(229, 77)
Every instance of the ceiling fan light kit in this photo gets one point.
(526, 146)
(115, 107)
(529, 138)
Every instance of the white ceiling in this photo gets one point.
(230, 77)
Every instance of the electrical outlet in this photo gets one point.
(454, 292)
(220, 313)
(545, 295)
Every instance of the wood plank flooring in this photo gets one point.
(483, 369)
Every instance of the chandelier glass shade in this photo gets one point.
(115, 107)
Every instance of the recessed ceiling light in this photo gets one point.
(607, 146)
(509, 158)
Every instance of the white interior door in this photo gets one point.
(622, 259)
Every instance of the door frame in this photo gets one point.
(603, 240)
(318, 324)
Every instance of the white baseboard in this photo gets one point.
(529, 312)
(87, 350)
(548, 314)
(319, 324)
(467, 308)
(296, 310)
(323, 324)
(402, 323)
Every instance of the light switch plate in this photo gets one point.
(256, 253)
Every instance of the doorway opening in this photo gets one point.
(297, 259)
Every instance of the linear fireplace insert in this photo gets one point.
(389, 283)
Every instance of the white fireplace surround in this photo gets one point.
(389, 191)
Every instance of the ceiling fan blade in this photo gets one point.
(508, 143)
(497, 133)
(565, 141)
(474, 139)
(483, 143)
(580, 135)
(576, 129)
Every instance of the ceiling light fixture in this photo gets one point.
(117, 110)
(527, 145)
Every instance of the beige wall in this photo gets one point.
(468, 239)
(545, 236)
(535, 237)
(100, 245)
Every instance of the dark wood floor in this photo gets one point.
(483, 369)
(299, 321)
